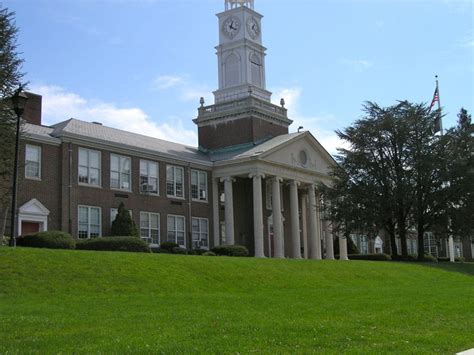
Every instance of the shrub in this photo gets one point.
(231, 250)
(48, 239)
(131, 244)
(373, 257)
(123, 223)
(196, 251)
(167, 247)
(429, 258)
(445, 259)
(179, 250)
(208, 253)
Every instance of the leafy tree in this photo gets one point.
(124, 226)
(10, 77)
(459, 153)
(391, 176)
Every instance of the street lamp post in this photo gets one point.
(19, 100)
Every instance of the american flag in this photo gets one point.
(435, 98)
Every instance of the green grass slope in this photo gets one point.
(71, 301)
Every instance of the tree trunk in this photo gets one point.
(3, 220)
(421, 241)
(393, 243)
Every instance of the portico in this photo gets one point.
(267, 198)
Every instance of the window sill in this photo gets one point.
(200, 201)
(175, 198)
(33, 178)
(89, 185)
(121, 190)
(150, 194)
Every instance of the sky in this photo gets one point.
(142, 65)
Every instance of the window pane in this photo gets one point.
(83, 175)
(153, 170)
(144, 220)
(114, 163)
(33, 153)
(143, 168)
(179, 175)
(194, 177)
(180, 238)
(94, 176)
(114, 179)
(171, 223)
(169, 173)
(125, 181)
(95, 216)
(204, 226)
(180, 224)
(83, 215)
(94, 160)
(154, 221)
(170, 189)
(83, 157)
(195, 224)
(126, 165)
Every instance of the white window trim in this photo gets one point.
(89, 221)
(157, 193)
(40, 161)
(149, 229)
(88, 167)
(175, 230)
(120, 173)
(200, 232)
(198, 184)
(174, 183)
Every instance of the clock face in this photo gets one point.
(253, 28)
(231, 26)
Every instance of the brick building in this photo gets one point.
(249, 182)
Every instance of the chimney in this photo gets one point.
(32, 113)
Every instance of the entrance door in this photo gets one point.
(29, 227)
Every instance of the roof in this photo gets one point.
(81, 129)
(253, 150)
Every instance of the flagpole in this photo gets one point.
(439, 106)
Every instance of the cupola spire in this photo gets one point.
(231, 4)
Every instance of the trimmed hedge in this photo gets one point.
(48, 239)
(373, 257)
(231, 250)
(131, 244)
(209, 253)
(445, 259)
(167, 247)
(179, 250)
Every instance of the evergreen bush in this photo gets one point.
(131, 244)
(123, 223)
(48, 239)
(231, 250)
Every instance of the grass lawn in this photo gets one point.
(77, 301)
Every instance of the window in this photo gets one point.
(223, 238)
(431, 246)
(150, 227)
(89, 167)
(174, 181)
(114, 212)
(120, 172)
(200, 228)
(89, 222)
(199, 185)
(176, 230)
(149, 177)
(33, 162)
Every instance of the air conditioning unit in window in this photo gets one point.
(202, 195)
(148, 188)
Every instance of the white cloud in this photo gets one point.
(314, 124)
(359, 65)
(164, 82)
(60, 105)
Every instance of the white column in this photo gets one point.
(304, 222)
(258, 215)
(451, 249)
(343, 248)
(277, 219)
(295, 221)
(329, 241)
(314, 242)
(229, 210)
(215, 211)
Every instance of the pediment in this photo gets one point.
(34, 207)
(303, 152)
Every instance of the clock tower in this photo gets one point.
(243, 113)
